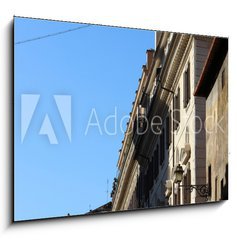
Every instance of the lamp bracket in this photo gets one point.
(202, 190)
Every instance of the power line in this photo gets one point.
(52, 34)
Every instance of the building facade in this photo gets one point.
(213, 85)
(163, 157)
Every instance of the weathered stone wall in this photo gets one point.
(217, 134)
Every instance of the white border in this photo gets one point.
(213, 221)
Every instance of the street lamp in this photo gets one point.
(178, 174)
(202, 190)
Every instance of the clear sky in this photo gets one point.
(98, 67)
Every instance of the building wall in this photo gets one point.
(190, 131)
(217, 135)
(189, 138)
(191, 128)
(202, 47)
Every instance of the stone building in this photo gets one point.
(213, 85)
(163, 157)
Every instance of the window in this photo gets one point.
(168, 131)
(162, 147)
(170, 128)
(223, 79)
(209, 181)
(177, 110)
(222, 187)
(150, 176)
(216, 189)
(146, 189)
(156, 161)
(186, 191)
(188, 183)
(186, 87)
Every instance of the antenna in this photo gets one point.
(107, 191)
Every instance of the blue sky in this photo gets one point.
(99, 68)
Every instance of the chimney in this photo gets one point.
(149, 58)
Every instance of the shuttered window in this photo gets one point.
(223, 79)
(186, 87)
(177, 110)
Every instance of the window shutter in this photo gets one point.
(175, 113)
(185, 89)
(170, 128)
(167, 127)
(178, 105)
(177, 109)
(188, 83)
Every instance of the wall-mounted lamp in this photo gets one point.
(178, 174)
(202, 190)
